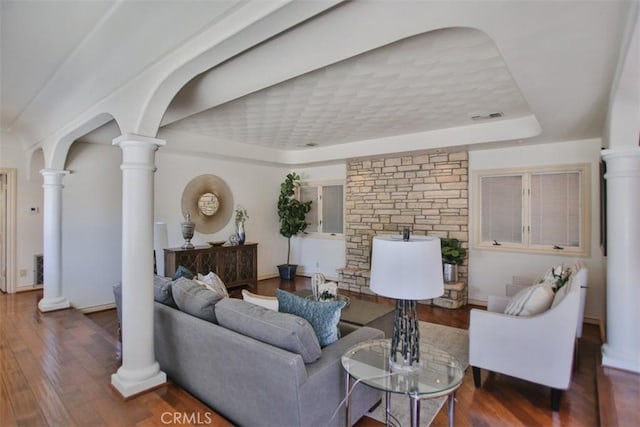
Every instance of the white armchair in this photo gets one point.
(536, 348)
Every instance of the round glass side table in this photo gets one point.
(439, 375)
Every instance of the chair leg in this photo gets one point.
(477, 381)
(555, 399)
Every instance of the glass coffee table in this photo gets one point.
(439, 375)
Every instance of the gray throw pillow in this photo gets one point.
(285, 331)
(322, 315)
(182, 271)
(195, 299)
(162, 291)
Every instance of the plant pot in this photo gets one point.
(287, 271)
(450, 272)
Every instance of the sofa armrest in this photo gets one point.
(334, 352)
(536, 348)
(326, 375)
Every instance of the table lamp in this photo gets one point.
(406, 268)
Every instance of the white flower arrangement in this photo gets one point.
(241, 215)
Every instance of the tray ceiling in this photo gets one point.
(440, 79)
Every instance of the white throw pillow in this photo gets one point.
(532, 300)
(213, 282)
(261, 300)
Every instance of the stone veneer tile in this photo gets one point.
(428, 192)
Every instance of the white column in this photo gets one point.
(622, 347)
(52, 299)
(139, 371)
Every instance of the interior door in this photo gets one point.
(3, 232)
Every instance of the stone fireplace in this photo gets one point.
(427, 192)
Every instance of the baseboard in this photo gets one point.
(479, 302)
(310, 275)
(28, 288)
(268, 276)
(96, 308)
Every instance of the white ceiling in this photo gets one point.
(552, 63)
(436, 80)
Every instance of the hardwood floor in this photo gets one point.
(55, 369)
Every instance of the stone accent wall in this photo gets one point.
(427, 192)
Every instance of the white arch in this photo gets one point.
(218, 44)
(56, 152)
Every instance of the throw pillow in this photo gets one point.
(182, 271)
(195, 299)
(214, 282)
(322, 315)
(263, 301)
(285, 331)
(529, 301)
(162, 291)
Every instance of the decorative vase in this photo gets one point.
(188, 228)
(316, 280)
(450, 272)
(240, 232)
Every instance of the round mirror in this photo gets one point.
(208, 204)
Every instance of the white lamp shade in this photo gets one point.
(410, 270)
(160, 242)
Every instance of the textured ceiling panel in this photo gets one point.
(431, 81)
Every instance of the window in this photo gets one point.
(327, 210)
(533, 210)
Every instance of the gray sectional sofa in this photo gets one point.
(252, 370)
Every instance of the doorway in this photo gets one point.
(3, 232)
(7, 229)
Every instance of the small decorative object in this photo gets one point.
(241, 217)
(188, 228)
(453, 255)
(233, 240)
(405, 233)
(407, 270)
(316, 280)
(291, 213)
(328, 291)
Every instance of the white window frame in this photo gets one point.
(583, 169)
(320, 185)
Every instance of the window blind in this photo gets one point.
(555, 209)
(502, 209)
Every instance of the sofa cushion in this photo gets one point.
(281, 330)
(322, 315)
(195, 299)
(531, 300)
(213, 282)
(261, 300)
(182, 271)
(162, 291)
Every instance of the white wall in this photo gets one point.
(256, 187)
(91, 224)
(29, 194)
(92, 213)
(317, 254)
(489, 271)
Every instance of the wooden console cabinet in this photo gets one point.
(237, 266)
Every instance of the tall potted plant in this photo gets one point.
(453, 255)
(291, 212)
